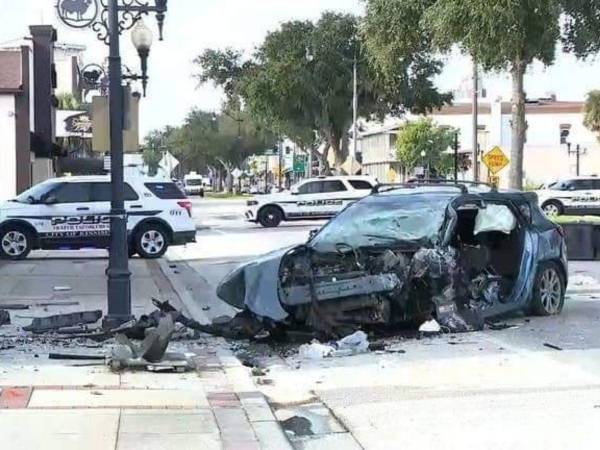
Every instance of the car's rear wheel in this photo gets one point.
(15, 243)
(548, 296)
(151, 241)
(553, 208)
(270, 216)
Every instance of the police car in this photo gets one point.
(74, 213)
(575, 195)
(314, 198)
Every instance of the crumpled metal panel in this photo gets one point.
(365, 285)
(262, 285)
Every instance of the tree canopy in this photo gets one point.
(424, 142)
(592, 112)
(298, 83)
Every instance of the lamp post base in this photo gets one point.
(113, 321)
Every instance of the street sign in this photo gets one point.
(299, 163)
(495, 160)
(236, 173)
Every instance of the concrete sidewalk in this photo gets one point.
(82, 404)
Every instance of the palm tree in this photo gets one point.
(592, 112)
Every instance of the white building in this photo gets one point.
(551, 125)
(68, 61)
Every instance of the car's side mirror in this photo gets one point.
(312, 233)
(294, 191)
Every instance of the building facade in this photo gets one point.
(551, 126)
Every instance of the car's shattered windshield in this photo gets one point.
(385, 220)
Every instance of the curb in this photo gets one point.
(183, 292)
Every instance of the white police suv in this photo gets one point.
(311, 199)
(576, 195)
(74, 213)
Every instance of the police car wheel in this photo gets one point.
(151, 242)
(552, 208)
(270, 217)
(15, 243)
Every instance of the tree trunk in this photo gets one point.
(324, 168)
(519, 125)
(344, 151)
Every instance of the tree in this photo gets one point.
(500, 35)
(400, 51)
(299, 82)
(424, 137)
(592, 112)
(216, 142)
(154, 149)
(582, 27)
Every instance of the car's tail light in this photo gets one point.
(187, 205)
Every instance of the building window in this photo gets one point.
(565, 132)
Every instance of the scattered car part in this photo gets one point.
(4, 317)
(75, 357)
(51, 323)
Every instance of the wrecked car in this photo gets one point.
(409, 253)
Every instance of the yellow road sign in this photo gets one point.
(495, 160)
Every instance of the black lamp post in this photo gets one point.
(108, 18)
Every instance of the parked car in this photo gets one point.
(74, 213)
(311, 199)
(575, 195)
(457, 254)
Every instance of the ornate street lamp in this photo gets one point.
(109, 18)
(141, 37)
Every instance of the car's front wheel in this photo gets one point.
(15, 243)
(151, 241)
(548, 296)
(552, 208)
(270, 216)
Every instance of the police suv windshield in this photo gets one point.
(35, 193)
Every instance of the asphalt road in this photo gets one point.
(492, 389)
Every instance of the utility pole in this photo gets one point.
(475, 121)
(280, 156)
(577, 152)
(266, 174)
(455, 157)
(355, 110)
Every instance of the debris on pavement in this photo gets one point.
(552, 346)
(62, 288)
(50, 323)
(315, 350)
(75, 357)
(430, 327)
(350, 345)
(152, 353)
(4, 317)
(15, 306)
(297, 426)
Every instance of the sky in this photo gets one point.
(194, 25)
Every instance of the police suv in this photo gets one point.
(74, 213)
(575, 195)
(311, 199)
